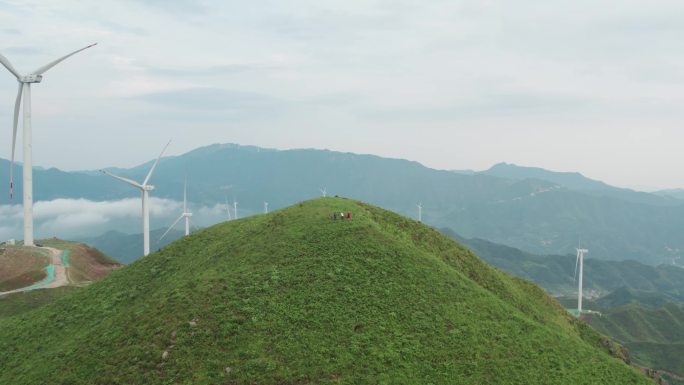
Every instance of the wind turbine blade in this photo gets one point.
(170, 227)
(149, 174)
(46, 67)
(126, 180)
(9, 66)
(185, 196)
(574, 277)
(17, 105)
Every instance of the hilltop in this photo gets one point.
(537, 210)
(295, 297)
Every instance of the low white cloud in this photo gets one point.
(79, 218)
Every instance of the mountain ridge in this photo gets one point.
(531, 214)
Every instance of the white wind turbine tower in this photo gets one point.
(145, 189)
(186, 214)
(324, 191)
(235, 208)
(265, 207)
(420, 212)
(580, 261)
(228, 209)
(25, 89)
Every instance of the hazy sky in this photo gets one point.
(576, 85)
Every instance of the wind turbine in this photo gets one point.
(324, 191)
(235, 208)
(25, 89)
(145, 189)
(186, 214)
(228, 208)
(265, 207)
(580, 261)
(420, 212)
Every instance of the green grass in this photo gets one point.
(654, 336)
(18, 303)
(293, 297)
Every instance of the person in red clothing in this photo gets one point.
(348, 215)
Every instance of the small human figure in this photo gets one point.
(334, 216)
(341, 214)
(348, 215)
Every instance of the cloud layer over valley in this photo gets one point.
(81, 218)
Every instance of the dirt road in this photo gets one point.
(56, 273)
(60, 269)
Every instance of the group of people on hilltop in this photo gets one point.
(341, 215)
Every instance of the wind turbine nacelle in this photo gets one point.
(188, 214)
(148, 187)
(31, 78)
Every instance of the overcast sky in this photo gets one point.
(576, 85)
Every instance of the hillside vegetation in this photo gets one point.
(654, 336)
(18, 303)
(21, 266)
(294, 297)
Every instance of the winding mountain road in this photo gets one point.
(56, 273)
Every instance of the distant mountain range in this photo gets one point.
(578, 182)
(556, 273)
(676, 193)
(533, 209)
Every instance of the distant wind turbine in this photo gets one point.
(228, 209)
(145, 188)
(235, 208)
(580, 261)
(25, 89)
(265, 207)
(324, 191)
(420, 212)
(186, 214)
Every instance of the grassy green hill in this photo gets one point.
(294, 297)
(13, 304)
(654, 335)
